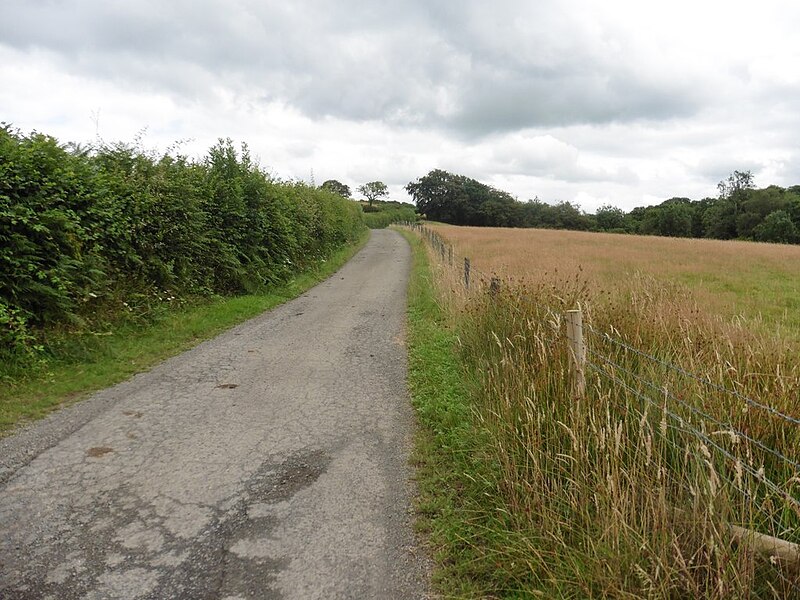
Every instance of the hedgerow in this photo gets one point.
(388, 215)
(89, 234)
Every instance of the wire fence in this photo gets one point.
(748, 446)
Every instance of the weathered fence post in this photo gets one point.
(466, 272)
(494, 286)
(783, 552)
(577, 349)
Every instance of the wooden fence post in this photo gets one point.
(494, 286)
(786, 553)
(466, 272)
(577, 350)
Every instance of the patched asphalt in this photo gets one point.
(269, 462)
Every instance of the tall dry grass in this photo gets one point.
(729, 279)
(630, 490)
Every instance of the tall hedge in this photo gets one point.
(88, 231)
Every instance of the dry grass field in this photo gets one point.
(760, 282)
(689, 426)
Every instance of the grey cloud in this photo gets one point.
(538, 65)
(717, 167)
(503, 101)
(469, 68)
(554, 164)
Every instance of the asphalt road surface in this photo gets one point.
(269, 462)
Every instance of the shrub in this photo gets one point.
(105, 231)
(384, 218)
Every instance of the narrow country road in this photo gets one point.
(270, 462)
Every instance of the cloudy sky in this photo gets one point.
(615, 101)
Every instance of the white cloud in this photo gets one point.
(615, 102)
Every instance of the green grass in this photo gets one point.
(458, 508)
(89, 362)
(768, 297)
(439, 397)
(527, 491)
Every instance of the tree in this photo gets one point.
(735, 190)
(671, 218)
(337, 187)
(536, 213)
(719, 220)
(793, 208)
(777, 227)
(441, 197)
(460, 200)
(570, 216)
(373, 190)
(698, 216)
(757, 206)
(675, 219)
(635, 219)
(736, 183)
(610, 217)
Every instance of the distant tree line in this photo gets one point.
(740, 211)
(377, 213)
(372, 191)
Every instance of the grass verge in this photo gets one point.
(87, 366)
(457, 508)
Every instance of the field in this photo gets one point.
(731, 279)
(655, 480)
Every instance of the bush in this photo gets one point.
(777, 227)
(387, 216)
(16, 339)
(105, 231)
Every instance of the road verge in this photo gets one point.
(117, 355)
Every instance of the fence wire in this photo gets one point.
(727, 428)
(683, 425)
(616, 374)
(714, 386)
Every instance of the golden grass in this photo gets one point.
(760, 282)
(630, 491)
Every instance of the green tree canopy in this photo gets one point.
(461, 200)
(777, 227)
(373, 190)
(610, 217)
(337, 187)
